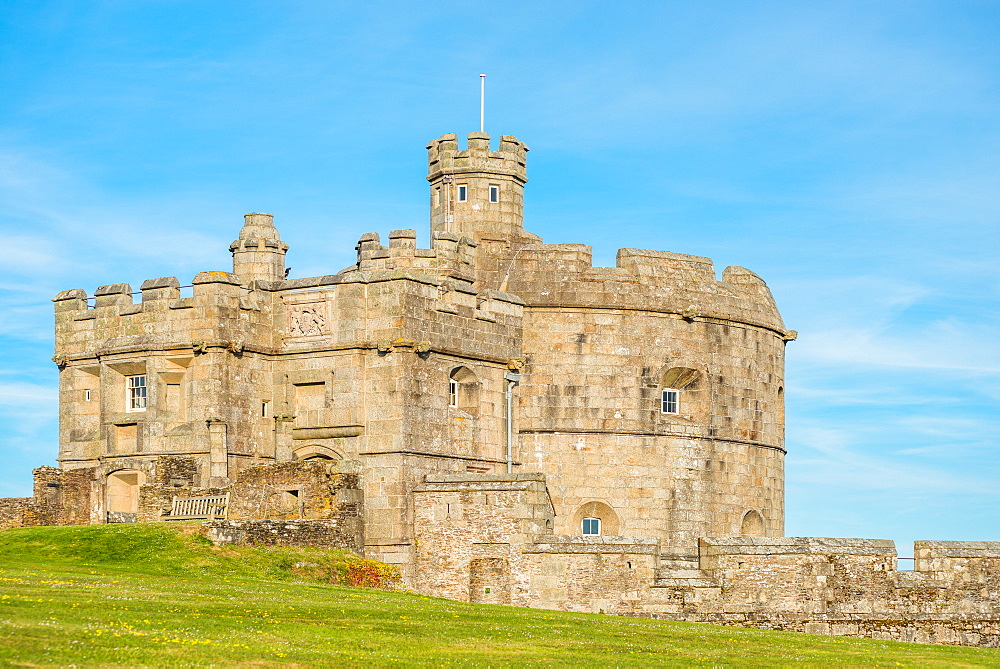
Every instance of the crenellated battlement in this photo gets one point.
(445, 158)
(220, 309)
(552, 275)
(449, 255)
(119, 297)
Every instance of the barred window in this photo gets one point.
(136, 386)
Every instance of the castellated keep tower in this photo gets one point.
(494, 415)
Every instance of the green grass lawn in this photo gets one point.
(160, 595)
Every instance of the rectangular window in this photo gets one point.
(265, 409)
(87, 396)
(494, 193)
(452, 393)
(671, 401)
(591, 527)
(463, 193)
(291, 500)
(136, 386)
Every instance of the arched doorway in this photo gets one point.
(316, 452)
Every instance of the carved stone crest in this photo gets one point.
(306, 321)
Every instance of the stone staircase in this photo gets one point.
(681, 570)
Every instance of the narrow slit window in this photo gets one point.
(452, 392)
(265, 409)
(591, 527)
(494, 193)
(136, 386)
(671, 401)
(463, 193)
(87, 396)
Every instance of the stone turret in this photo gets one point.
(259, 253)
(478, 192)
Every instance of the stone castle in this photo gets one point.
(494, 415)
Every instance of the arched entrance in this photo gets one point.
(316, 452)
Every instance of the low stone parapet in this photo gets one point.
(594, 545)
(319, 533)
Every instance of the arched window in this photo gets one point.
(752, 525)
(463, 390)
(680, 392)
(596, 519)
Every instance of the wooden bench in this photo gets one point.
(199, 508)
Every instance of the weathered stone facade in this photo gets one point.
(484, 539)
(61, 497)
(469, 411)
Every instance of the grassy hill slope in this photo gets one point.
(160, 595)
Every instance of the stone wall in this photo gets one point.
(156, 500)
(12, 511)
(464, 518)
(842, 586)
(60, 498)
(297, 490)
(313, 503)
(344, 531)
(484, 539)
(603, 574)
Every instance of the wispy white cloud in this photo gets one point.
(828, 456)
(31, 396)
(938, 346)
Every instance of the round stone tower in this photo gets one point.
(259, 253)
(651, 395)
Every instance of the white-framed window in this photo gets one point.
(494, 193)
(671, 401)
(453, 392)
(591, 527)
(265, 409)
(88, 395)
(463, 193)
(136, 388)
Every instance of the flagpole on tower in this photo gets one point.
(482, 103)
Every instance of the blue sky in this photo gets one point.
(845, 151)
